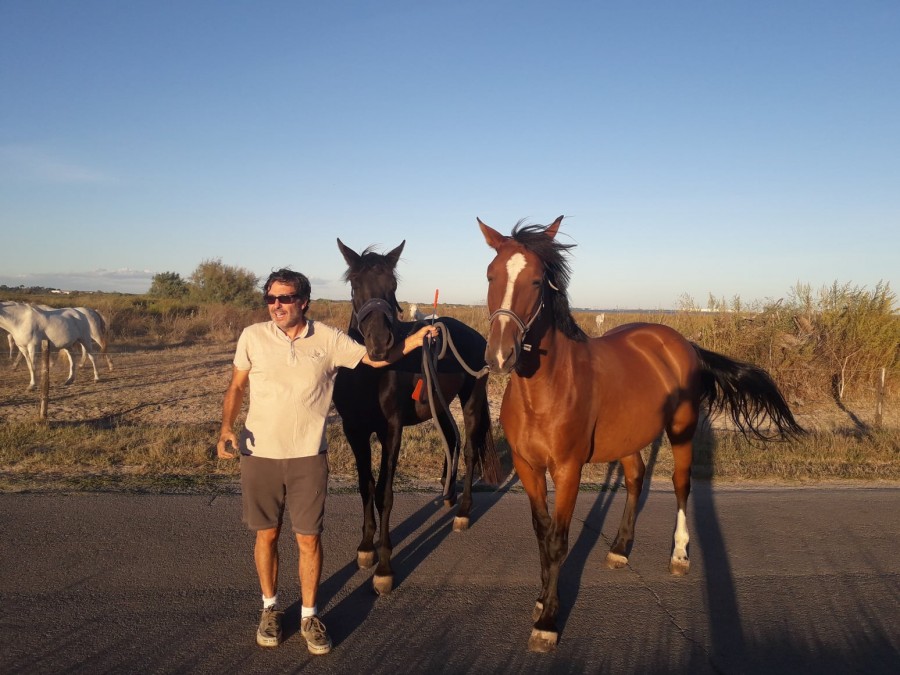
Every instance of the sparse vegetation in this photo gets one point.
(825, 349)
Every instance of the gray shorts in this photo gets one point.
(267, 484)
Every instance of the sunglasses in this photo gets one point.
(283, 299)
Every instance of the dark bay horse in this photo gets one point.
(572, 400)
(380, 401)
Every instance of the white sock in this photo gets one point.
(306, 612)
(270, 602)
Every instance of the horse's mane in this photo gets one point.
(553, 255)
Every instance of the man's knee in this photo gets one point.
(308, 543)
(267, 537)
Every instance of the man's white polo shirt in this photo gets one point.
(291, 383)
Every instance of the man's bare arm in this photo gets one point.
(411, 343)
(234, 400)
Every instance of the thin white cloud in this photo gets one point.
(35, 164)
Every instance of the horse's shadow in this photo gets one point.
(591, 532)
(726, 632)
(351, 612)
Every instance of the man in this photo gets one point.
(289, 364)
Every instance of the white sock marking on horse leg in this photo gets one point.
(681, 537)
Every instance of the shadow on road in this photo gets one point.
(725, 629)
(351, 612)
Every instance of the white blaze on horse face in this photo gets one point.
(514, 267)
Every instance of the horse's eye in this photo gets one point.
(536, 283)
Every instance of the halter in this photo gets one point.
(523, 326)
(375, 305)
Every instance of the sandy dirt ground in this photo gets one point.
(186, 384)
(146, 385)
(167, 385)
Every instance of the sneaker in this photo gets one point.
(317, 640)
(269, 632)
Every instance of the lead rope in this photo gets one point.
(429, 368)
(435, 395)
(448, 341)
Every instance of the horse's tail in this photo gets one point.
(486, 450)
(748, 393)
(103, 332)
(103, 341)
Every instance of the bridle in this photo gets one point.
(523, 326)
(374, 305)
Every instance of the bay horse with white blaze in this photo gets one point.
(573, 399)
(380, 401)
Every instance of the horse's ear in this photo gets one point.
(394, 256)
(553, 228)
(350, 256)
(493, 238)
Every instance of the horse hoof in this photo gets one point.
(383, 585)
(679, 567)
(537, 611)
(365, 559)
(460, 523)
(542, 641)
(614, 561)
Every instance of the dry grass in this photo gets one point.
(151, 424)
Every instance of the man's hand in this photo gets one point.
(227, 436)
(416, 340)
(411, 343)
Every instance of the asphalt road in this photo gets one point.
(782, 580)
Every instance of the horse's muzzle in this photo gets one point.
(503, 359)
(381, 350)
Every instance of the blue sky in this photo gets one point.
(695, 148)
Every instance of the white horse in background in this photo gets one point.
(99, 333)
(415, 314)
(12, 342)
(62, 328)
